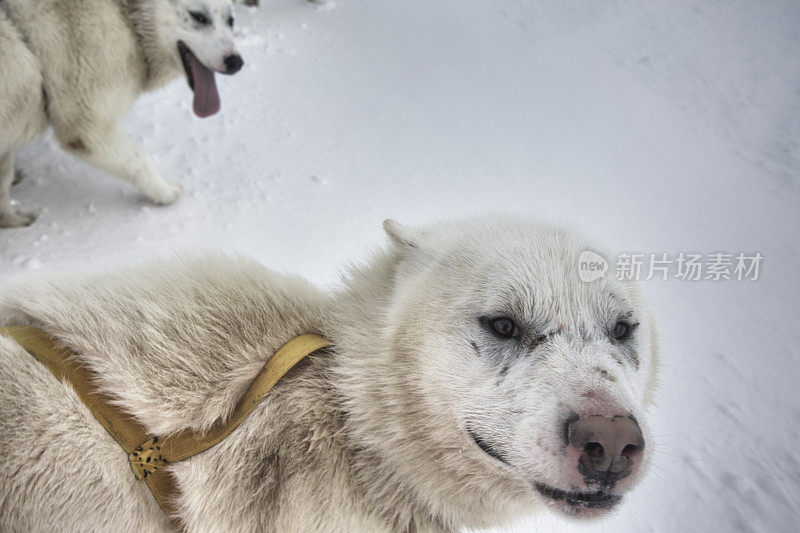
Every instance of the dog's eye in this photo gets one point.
(622, 331)
(505, 327)
(230, 22)
(200, 18)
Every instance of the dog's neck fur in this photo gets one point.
(157, 51)
(387, 422)
(357, 321)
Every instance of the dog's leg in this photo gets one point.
(9, 217)
(121, 156)
(18, 177)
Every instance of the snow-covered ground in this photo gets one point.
(662, 127)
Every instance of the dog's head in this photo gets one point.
(541, 377)
(199, 33)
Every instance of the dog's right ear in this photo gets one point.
(400, 235)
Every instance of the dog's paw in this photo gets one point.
(18, 177)
(167, 194)
(15, 220)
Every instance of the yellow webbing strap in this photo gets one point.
(148, 454)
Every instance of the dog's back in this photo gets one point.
(177, 343)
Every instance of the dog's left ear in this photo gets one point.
(400, 235)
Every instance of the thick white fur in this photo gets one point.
(370, 435)
(80, 65)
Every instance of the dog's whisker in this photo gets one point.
(688, 459)
(720, 428)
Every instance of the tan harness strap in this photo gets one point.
(148, 454)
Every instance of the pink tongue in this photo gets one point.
(206, 96)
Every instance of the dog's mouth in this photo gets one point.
(202, 82)
(577, 499)
(571, 502)
(490, 450)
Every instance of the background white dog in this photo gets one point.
(474, 377)
(80, 65)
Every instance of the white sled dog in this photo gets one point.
(80, 65)
(473, 378)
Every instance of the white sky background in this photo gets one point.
(661, 126)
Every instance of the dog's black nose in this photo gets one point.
(233, 64)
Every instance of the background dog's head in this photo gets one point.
(199, 36)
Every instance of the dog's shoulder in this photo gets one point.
(177, 342)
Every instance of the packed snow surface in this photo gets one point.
(660, 127)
